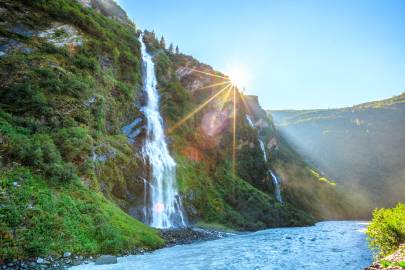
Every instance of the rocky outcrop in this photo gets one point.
(395, 261)
(109, 8)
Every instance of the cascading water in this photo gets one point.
(276, 181)
(164, 206)
(249, 120)
(261, 143)
(277, 187)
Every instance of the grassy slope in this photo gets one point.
(39, 218)
(48, 131)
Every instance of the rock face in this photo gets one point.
(395, 261)
(108, 8)
(62, 35)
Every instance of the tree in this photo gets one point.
(177, 50)
(162, 43)
(171, 50)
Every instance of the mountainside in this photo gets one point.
(72, 175)
(360, 147)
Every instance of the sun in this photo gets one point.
(238, 78)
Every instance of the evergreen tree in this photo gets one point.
(171, 50)
(162, 43)
(177, 50)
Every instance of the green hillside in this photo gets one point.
(359, 147)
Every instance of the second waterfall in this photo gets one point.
(163, 208)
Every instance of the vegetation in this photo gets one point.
(356, 147)
(41, 218)
(69, 174)
(61, 113)
(231, 201)
(387, 229)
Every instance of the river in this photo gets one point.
(339, 245)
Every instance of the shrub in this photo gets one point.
(74, 143)
(387, 229)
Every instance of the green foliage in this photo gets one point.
(36, 220)
(74, 143)
(385, 263)
(230, 201)
(252, 167)
(387, 229)
(175, 100)
(35, 150)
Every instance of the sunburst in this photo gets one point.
(235, 82)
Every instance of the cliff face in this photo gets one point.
(71, 179)
(358, 147)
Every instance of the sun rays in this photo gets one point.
(230, 84)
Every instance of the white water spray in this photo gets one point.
(164, 207)
(249, 120)
(261, 143)
(277, 187)
(276, 181)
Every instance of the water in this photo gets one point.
(164, 209)
(328, 245)
(261, 143)
(275, 179)
(250, 122)
(277, 187)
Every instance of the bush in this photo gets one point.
(387, 229)
(74, 143)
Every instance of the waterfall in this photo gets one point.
(261, 143)
(276, 181)
(164, 205)
(249, 120)
(277, 187)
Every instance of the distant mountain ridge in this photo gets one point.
(360, 146)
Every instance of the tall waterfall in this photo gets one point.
(164, 205)
(276, 181)
(277, 187)
(261, 143)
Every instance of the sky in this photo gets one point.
(297, 54)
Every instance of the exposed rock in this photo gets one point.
(62, 35)
(109, 8)
(190, 235)
(8, 46)
(106, 259)
(391, 262)
(67, 254)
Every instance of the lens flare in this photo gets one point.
(235, 83)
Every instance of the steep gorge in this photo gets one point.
(360, 147)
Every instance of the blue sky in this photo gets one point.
(297, 54)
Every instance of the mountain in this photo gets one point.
(72, 126)
(360, 147)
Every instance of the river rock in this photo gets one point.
(67, 254)
(106, 259)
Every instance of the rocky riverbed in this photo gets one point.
(172, 237)
(395, 261)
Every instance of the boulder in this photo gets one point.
(106, 259)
